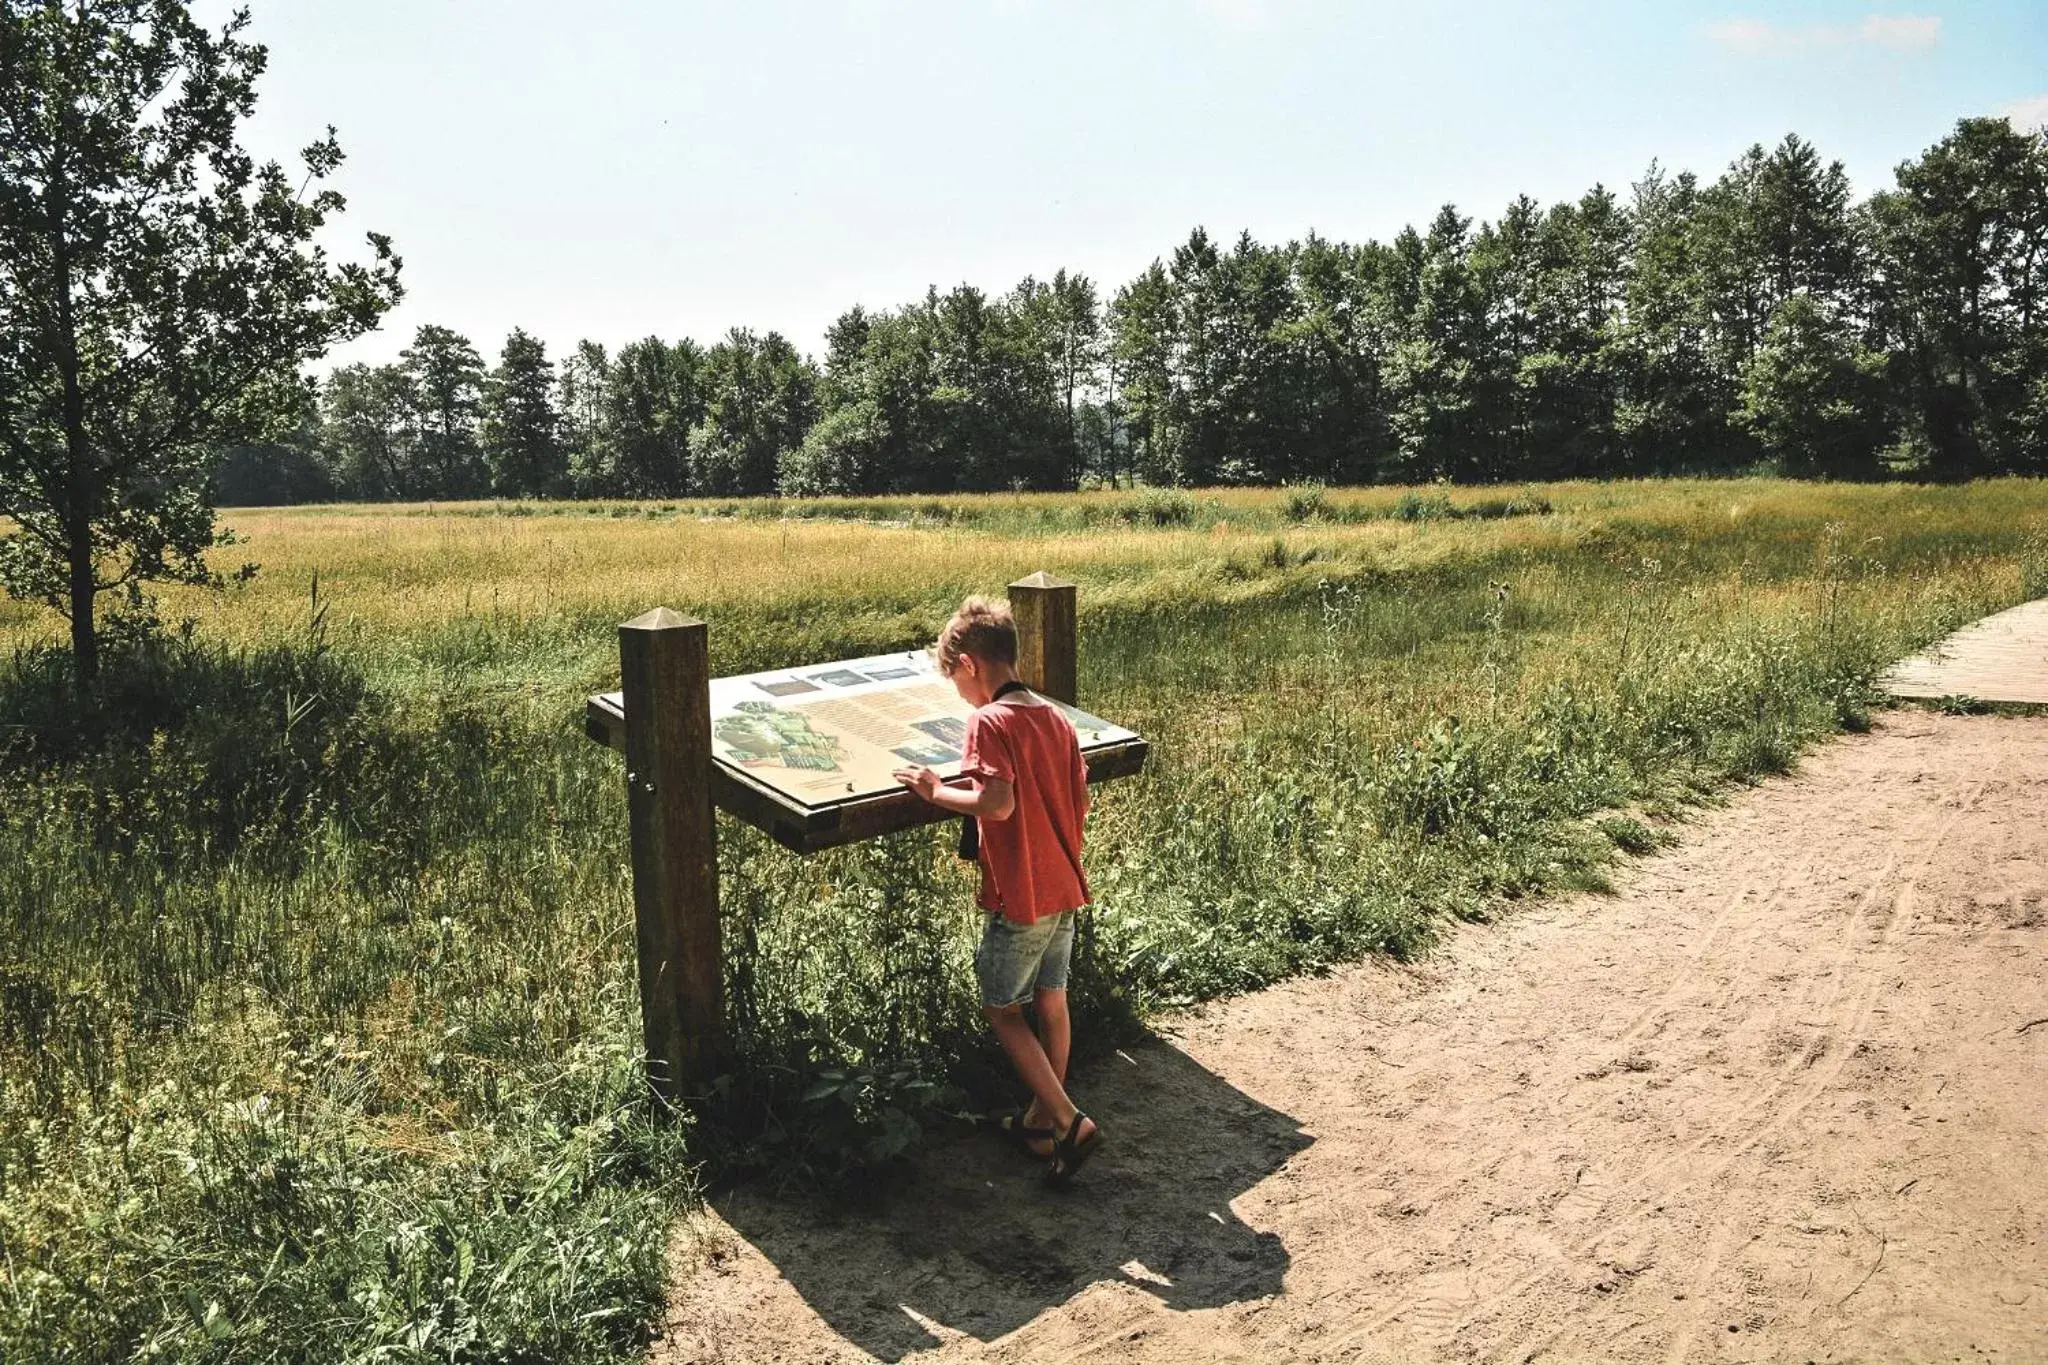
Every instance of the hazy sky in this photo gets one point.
(611, 169)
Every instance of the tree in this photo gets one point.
(1963, 274)
(1671, 402)
(1436, 374)
(1776, 224)
(277, 473)
(584, 377)
(1063, 320)
(1143, 326)
(760, 397)
(1813, 395)
(651, 402)
(520, 432)
(366, 431)
(159, 293)
(445, 377)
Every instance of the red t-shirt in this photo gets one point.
(1031, 862)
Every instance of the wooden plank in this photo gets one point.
(664, 663)
(2002, 658)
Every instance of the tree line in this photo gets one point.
(1763, 319)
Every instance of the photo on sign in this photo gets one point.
(890, 674)
(948, 730)
(842, 677)
(931, 755)
(785, 687)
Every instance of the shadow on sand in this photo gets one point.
(971, 1240)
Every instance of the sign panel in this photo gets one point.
(832, 733)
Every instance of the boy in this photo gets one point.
(1029, 795)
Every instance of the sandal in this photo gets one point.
(1072, 1151)
(1010, 1124)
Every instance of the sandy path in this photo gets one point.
(1779, 1099)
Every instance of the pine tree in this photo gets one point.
(520, 432)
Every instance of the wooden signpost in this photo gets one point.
(661, 719)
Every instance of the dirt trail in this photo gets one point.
(1783, 1098)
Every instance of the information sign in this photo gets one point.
(833, 733)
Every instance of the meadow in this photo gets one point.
(317, 1014)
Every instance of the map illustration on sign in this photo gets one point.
(835, 732)
(760, 733)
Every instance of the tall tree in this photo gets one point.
(1671, 401)
(1963, 246)
(445, 377)
(651, 402)
(1776, 224)
(159, 293)
(760, 397)
(1813, 395)
(584, 377)
(1143, 331)
(1063, 319)
(366, 434)
(1437, 375)
(520, 431)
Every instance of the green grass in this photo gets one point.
(317, 1017)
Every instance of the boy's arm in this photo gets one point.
(989, 799)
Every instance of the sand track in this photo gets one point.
(1783, 1097)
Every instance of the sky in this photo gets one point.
(614, 170)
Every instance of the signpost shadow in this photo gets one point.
(970, 1240)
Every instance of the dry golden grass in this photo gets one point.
(396, 571)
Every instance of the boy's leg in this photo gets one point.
(1011, 964)
(1055, 1029)
(1049, 996)
(1034, 1068)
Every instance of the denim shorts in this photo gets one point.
(1016, 960)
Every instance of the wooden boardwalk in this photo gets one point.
(2002, 658)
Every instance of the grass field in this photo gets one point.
(317, 1021)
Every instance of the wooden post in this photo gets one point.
(664, 661)
(1047, 652)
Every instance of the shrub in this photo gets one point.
(1157, 507)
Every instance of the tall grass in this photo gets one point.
(316, 992)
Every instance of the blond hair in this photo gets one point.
(982, 628)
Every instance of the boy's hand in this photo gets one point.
(919, 779)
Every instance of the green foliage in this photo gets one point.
(1813, 396)
(1158, 507)
(197, 1224)
(519, 433)
(159, 293)
(1308, 502)
(1965, 255)
(1757, 320)
(1419, 506)
(2034, 566)
(760, 400)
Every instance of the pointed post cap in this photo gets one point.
(1041, 579)
(661, 618)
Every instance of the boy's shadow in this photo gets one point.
(970, 1238)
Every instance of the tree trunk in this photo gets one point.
(79, 493)
(85, 643)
